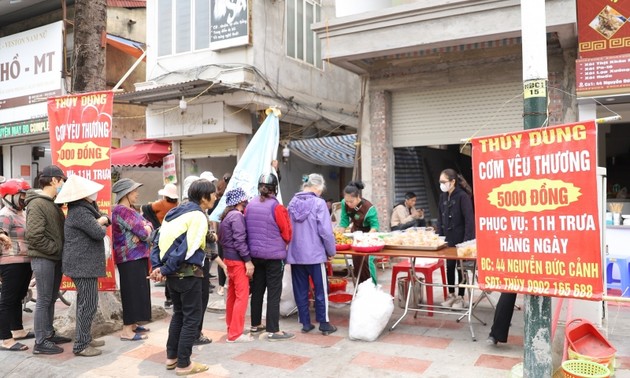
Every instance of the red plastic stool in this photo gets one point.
(426, 270)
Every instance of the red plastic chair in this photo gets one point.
(426, 270)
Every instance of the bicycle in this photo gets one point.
(30, 297)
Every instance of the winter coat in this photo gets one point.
(127, 223)
(233, 237)
(44, 226)
(456, 218)
(313, 239)
(263, 233)
(13, 223)
(84, 249)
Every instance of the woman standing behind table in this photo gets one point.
(362, 216)
(456, 221)
(313, 244)
(131, 253)
(15, 265)
(268, 233)
(84, 255)
(233, 238)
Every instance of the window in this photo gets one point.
(182, 24)
(302, 43)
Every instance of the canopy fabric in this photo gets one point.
(128, 46)
(143, 154)
(337, 151)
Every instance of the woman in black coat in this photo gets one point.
(456, 221)
(83, 257)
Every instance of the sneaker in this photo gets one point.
(88, 352)
(449, 302)
(282, 336)
(458, 303)
(491, 340)
(168, 304)
(57, 339)
(97, 343)
(327, 328)
(47, 347)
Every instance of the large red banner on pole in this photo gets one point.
(536, 210)
(80, 141)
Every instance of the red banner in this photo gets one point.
(603, 29)
(80, 142)
(537, 224)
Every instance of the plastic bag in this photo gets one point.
(287, 300)
(370, 312)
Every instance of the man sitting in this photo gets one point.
(405, 214)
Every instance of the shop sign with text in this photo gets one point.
(536, 211)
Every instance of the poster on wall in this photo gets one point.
(80, 143)
(536, 210)
(169, 170)
(229, 25)
(603, 28)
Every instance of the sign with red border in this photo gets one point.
(603, 28)
(537, 224)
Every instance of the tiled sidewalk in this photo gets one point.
(435, 346)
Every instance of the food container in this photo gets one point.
(342, 247)
(337, 284)
(467, 248)
(375, 248)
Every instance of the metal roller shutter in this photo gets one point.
(434, 116)
(197, 148)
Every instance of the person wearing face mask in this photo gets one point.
(362, 215)
(405, 214)
(15, 265)
(84, 255)
(456, 221)
(45, 239)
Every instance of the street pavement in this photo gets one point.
(424, 346)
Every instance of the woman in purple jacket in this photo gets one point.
(233, 239)
(313, 244)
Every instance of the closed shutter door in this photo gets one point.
(409, 174)
(197, 148)
(434, 116)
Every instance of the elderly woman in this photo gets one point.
(84, 255)
(130, 235)
(313, 244)
(15, 265)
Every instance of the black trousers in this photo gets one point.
(361, 271)
(182, 332)
(451, 268)
(503, 317)
(205, 292)
(15, 281)
(220, 271)
(267, 275)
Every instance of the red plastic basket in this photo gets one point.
(340, 298)
(337, 284)
(368, 249)
(586, 340)
(343, 247)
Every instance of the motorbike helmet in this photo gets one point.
(269, 180)
(11, 193)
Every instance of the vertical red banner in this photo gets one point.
(537, 224)
(81, 141)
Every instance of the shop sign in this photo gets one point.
(603, 28)
(23, 128)
(602, 75)
(30, 67)
(80, 142)
(169, 171)
(536, 212)
(229, 24)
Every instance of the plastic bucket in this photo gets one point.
(584, 369)
(416, 292)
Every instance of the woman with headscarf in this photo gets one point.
(456, 221)
(361, 215)
(233, 238)
(15, 265)
(130, 235)
(268, 233)
(84, 255)
(313, 244)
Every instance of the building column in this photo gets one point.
(381, 158)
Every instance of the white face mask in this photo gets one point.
(93, 196)
(445, 187)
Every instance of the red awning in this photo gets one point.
(143, 154)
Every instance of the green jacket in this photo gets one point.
(44, 226)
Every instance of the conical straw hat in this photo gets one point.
(76, 188)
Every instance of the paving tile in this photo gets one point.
(272, 359)
(623, 362)
(391, 363)
(316, 338)
(435, 322)
(416, 340)
(148, 352)
(497, 362)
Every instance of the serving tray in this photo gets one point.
(416, 247)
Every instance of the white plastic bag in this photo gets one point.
(370, 312)
(287, 300)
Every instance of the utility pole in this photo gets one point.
(537, 353)
(90, 33)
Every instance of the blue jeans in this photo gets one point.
(48, 279)
(184, 327)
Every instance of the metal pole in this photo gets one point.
(537, 352)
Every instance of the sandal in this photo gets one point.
(258, 329)
(17, 347)
(241, 339)
(141, 329)
(136, 337)
(29, 335)
(195, 368)
(202, 340)
(172, 365)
